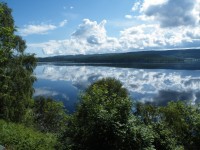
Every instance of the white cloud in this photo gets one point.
(71, 7)
(154, 37)
(128, 16)
(91, 31)
(36, 29)
(40, 28)
(165, 24)
(146, 4)
(91, 37)
(63, 23)
(136, 6)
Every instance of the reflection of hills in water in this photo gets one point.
(147, 85)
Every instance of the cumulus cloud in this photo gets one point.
(90, 37)
(154, 37)
(40, 28)
(165, 24)
(173, 13)
(93, 32)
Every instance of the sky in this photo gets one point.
(70, 27)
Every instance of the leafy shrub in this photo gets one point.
(16, 136)
(49, 115)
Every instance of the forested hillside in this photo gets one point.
(170, 56)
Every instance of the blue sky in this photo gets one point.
(65, 27)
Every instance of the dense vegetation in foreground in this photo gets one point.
(105, 118)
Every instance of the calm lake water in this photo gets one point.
(157, 86)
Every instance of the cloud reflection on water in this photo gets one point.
(156, 86)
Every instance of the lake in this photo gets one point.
(157, 86)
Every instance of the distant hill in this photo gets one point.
(168, 56)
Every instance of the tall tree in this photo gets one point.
(16, 69)
(103, 121)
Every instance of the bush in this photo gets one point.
(175, 126)
(16, 136)
(49, 115)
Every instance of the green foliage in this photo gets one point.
(184, 120)
(164, 138)
(16, 70)
(148, 114)
(49, 115)
(175, 126)
(103, 121)
(102, 115)
(106, 96)
(16, 136)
